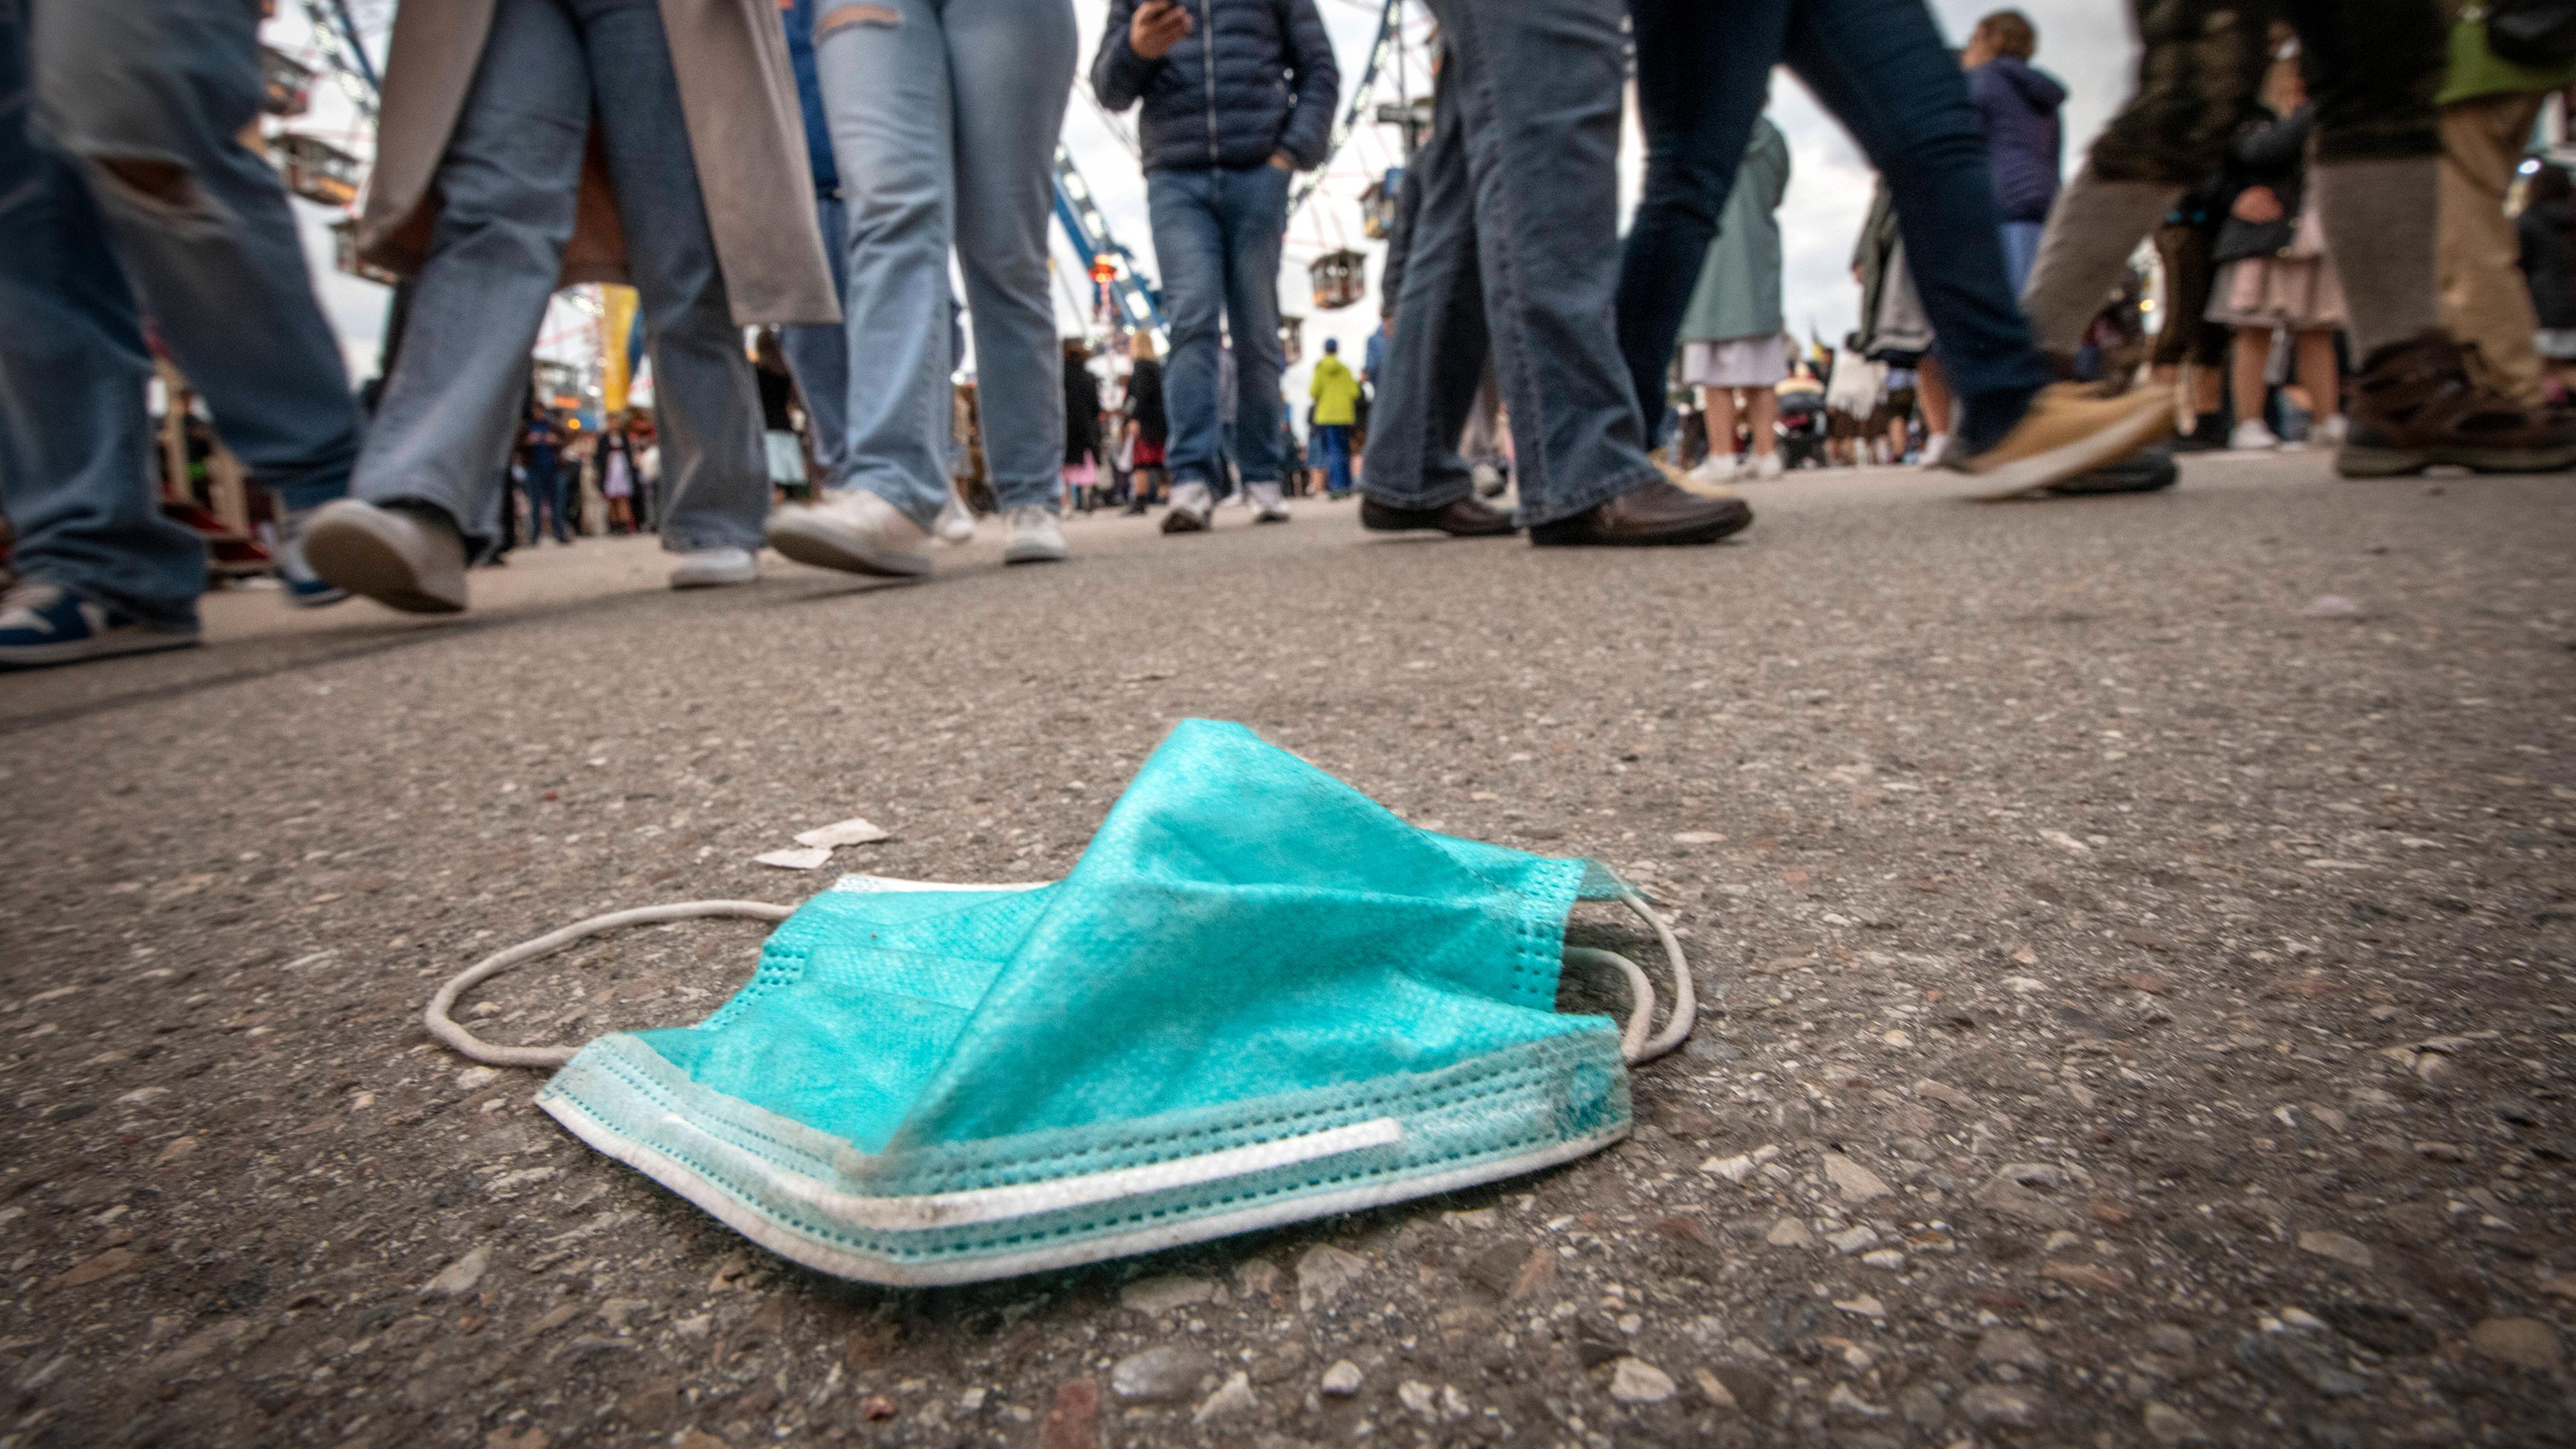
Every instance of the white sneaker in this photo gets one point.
(2251, 436)
(1191, 505)
(403, 558)
(1266, 498)
(1768, 465)
(1036, 537)
(707, 568)
(1715, 468)
(955, 523)
(2333, 430)
(1936, 447)
(854, 531)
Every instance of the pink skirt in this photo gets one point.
(2301, 294)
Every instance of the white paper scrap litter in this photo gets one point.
(795, 859)
(847, 832)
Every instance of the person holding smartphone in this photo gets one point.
(1237, 97)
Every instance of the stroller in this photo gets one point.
(1802, 428)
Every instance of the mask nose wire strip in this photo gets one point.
(457, 1038)
(1636, 1046)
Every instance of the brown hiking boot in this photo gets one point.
(2425, 401)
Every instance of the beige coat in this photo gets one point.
(746, 133)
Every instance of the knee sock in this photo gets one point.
(2379, 222)
(2092, 230)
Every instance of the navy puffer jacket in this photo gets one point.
(2019, 107)
(1252, 77)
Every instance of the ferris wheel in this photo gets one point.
(324, 152)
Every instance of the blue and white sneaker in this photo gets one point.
(305, 589)
(43, 624)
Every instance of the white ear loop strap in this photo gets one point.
(1635, 1045)
(444, 1027)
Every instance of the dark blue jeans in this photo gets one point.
(211, 254)
(1333, 454)
(1882, 68)
(1514, 252)
(1217, 234)
(545, 489)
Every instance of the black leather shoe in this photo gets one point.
(1653, 514)
(2138, 473)
(1465, 518)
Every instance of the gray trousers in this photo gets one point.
(509, 183)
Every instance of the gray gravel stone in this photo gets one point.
(1992, 1406)
(1161, 1375)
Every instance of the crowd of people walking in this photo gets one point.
(2327, 186)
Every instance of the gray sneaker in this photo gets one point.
(854, 531)
(410, 559)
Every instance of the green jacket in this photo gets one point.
(1336, 393)
(2476, 71)
(1739, 282)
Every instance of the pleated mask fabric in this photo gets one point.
(1259, 997)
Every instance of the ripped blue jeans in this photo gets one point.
(134, 195)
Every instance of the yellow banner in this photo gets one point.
(616, 325)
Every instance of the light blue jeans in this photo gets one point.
(1217, 235)
(818, 355)
(133, 189)
(944, 118)
(509, 182)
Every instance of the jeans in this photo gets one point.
(2021, 248)
(1882, 68)
(944, 118)
(1332, 452)
(1515, 252)
(133, 195)
(544, 485)
(509, 181)
(818, 356)
(1217, 235)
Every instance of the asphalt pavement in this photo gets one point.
(2140, 937)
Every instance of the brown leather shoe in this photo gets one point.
(2426, 400)
(1650, 515)
(1466, 518)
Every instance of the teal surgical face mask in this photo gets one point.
(1259, 997)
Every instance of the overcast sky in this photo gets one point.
(2085, 43)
